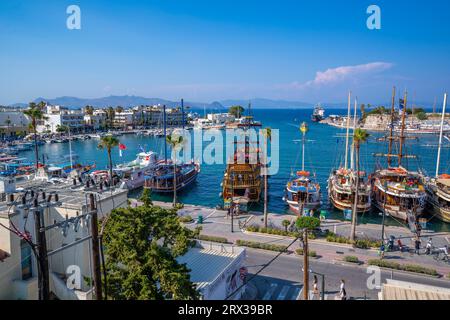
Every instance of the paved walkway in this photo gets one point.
(216, 223)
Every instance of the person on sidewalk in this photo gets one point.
(382, 249)
(316, 293)
(417, 243)
(342, 291)
(429, 246)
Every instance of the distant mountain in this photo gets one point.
(261, 103)
(124, 101)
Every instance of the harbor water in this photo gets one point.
(324, 151)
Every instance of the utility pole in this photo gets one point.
(95, 248)
(41, 245)
(305, 266)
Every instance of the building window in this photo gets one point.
(25, 252)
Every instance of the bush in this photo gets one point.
(403, 267)
(359, 243)
(311, 253)
(259, 245)
(179, 206)
(185, 219)
(211, 238)
(351, 259)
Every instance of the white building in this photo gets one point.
(217, 270)
(61, 116)
(13, 123)
(124, 119)
(97, 120)
(220, 118)
(18, 268)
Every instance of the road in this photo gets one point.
(283, 279)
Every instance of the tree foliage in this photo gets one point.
(309, 223)
(142, 245)
(236, 111)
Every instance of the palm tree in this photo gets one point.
(110, 113)
(108, 143)
(267, 132)
(359, 136)
(175, 142)
(286, 223)
(36, 114)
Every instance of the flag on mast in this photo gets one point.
(121, 148)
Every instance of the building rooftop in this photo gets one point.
(70, 196)
(208, 261)
(400, 290)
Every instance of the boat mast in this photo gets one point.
(165, 133)
(70, 149)
(440, 136)
(391, 134)
(402, 134)
(348, 130)
(303, 129)
(352, 164)
(182, 113)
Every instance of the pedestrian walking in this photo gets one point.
(429, 246)
(342, 291)
(316, 292)
(417, 243)
(382, 250)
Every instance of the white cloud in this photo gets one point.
(343, 73)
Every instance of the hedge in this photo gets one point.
(403, 267)
(359, 243)
(211, 238)
(259, 245)
(351, 259)
(279, 232)
(311, 253)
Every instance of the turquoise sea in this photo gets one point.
(324, 151)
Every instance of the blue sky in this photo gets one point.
(211, 50)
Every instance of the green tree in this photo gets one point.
(119, 109)
(421, 116)
(267, 132)
(146, 197)
(108, 143)
(359, 136)
(142, 245)
(61, 128)
(36, 114)
(176, 142)
(237, 111)
(285, 223)
(110, 114)
(309, 223)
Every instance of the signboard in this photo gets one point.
(348, 214)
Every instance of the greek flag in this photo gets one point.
(142, 149)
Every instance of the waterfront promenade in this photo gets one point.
(216, 223)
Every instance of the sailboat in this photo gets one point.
(302, 194)
(160, 178)
(396, 191)
(438, 188)
(342, 181)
